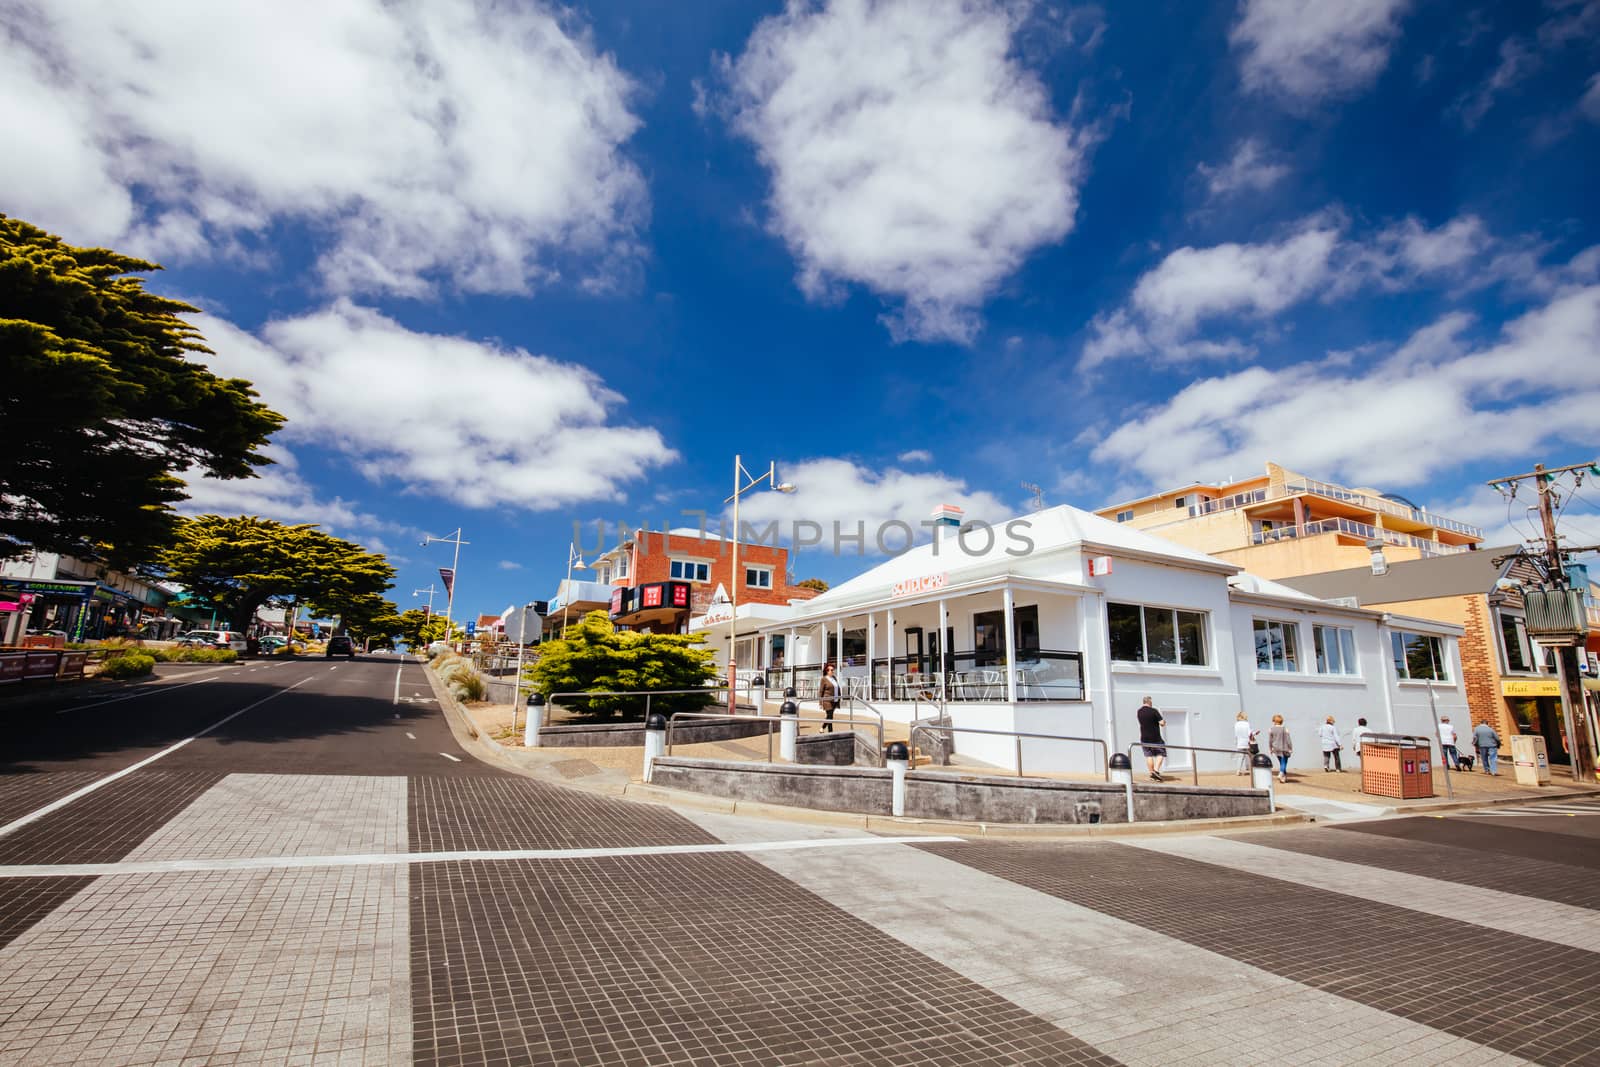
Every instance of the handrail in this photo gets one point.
(770, 720)
(1234, 752)
(1105, 758)
(648, 693)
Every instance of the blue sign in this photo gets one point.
(472, 628)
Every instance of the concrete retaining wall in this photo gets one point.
(958, 797)
(626, 734)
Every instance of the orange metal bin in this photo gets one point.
(1396, 765)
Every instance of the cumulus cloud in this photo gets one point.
(1437, 402)
(832, 490)
(1248, 171)
(470, 421)
(470, 143)
(1315, 259)
(909, 152)
(1307, 50)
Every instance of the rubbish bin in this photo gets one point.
(1396, 765)
(1529, 757)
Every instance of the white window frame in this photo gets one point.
(1285, 626)
(622, 565)
(1125, 515)
(750, 569)
(700, 568)
(1344, 645)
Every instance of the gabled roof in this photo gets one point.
(1417, 579)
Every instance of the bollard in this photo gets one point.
(788, 729)
(655, 742)
(898, 758)
(1122, 774)
(1261, 778)
(759, 699)
(530, 735)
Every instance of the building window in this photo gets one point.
(758, 577)
(1277, 645)
(1336, 650)
(622, 565)
(1181, 502)
(1419, 656)
(605, 575)
(687, 570)
(1142, 634)
(1125, 516)
(1514, 640)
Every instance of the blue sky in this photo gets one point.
(510, 267)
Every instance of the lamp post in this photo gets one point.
(417, 593)
(450, 586)
(574, 559)
(741, 486)
(522, 643)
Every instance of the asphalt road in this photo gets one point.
(294, 862)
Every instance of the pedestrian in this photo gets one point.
(1447, 743)
(1356, 736)
(1487, 742)
(1150, 726)
(1328, 733)
(1244, 739)
(1280, 746)
(829, 694)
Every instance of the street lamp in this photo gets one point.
(522, 643)
(574, 559)
(449, 586)
(740, 486)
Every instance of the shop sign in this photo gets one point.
(58, 588)
(1545, 687)
(1099, 566)
(11, 666)
(650, 596)
(41, 665)
(621, 601)
(72, 664)
(718, 613)
(926, 583)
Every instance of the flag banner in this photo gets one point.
(449, 576)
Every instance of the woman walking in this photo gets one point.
(1328, 734)
(829, 694)
(1280, 746)
(1244, 739)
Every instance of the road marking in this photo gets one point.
(34, 816)
(257, 863)
(397, 671)
(334, 667)
(144, 693)
(447, 756)
(410, 734)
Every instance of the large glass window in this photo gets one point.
(1026, 619)
(1514, 639)
(1142, 634)
(1419, 656)
(1277, 645)
(687, 570)
(1336, 650)
(758, 577)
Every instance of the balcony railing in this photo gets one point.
(1365, 531)
(1333, 492)
(1041, 675)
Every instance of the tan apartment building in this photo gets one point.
(1282, 523)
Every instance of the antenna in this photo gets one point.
(1037, 503)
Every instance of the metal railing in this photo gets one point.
(771, 721)
(708, 690)
(1042, 675)
(1236, 753)
(1105, 758)
(1333, 492)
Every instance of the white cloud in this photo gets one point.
(1247, 171)
(1316, 259)
(1437, 403)
(832, 490)
(1590, 104)
(1310, 49)
(447, 140)
(510, 565)
(1517, 61)
(469, 421)
(909, 152)
(916, 455)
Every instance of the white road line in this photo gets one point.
(334, 667)
(143, 693)
(397, 671)
(447, 756)
(257, 863)
(411, 735)
(34, 816)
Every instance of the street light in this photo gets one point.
(740, 486)
(574, 559)
(522, 643)
(450, 586)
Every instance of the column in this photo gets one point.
(944, 655)
(891, 653)
(1011, 647)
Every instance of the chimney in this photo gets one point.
(946, 521)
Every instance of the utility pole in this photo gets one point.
(1571, 680)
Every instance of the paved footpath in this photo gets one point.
(296, 863)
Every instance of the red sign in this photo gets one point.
(680, 596)
(927, 583)
(616, 601)
(650, 596)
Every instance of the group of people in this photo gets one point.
(1280, 746)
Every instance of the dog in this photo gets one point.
(1464, 763)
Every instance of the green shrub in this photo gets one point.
(129, 665)
(193, 655)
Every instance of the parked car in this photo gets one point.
(341, 645)
(272, 644)
(214, 639)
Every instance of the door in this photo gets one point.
(1177, 733)
(914, 650)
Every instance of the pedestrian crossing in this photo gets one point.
(1569, 809)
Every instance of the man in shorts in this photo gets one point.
(1150, 726)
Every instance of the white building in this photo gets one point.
(1061, 622)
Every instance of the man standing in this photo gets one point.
(1447, 743)
(1487, 742)
(1361, 730)
(1150, 726)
